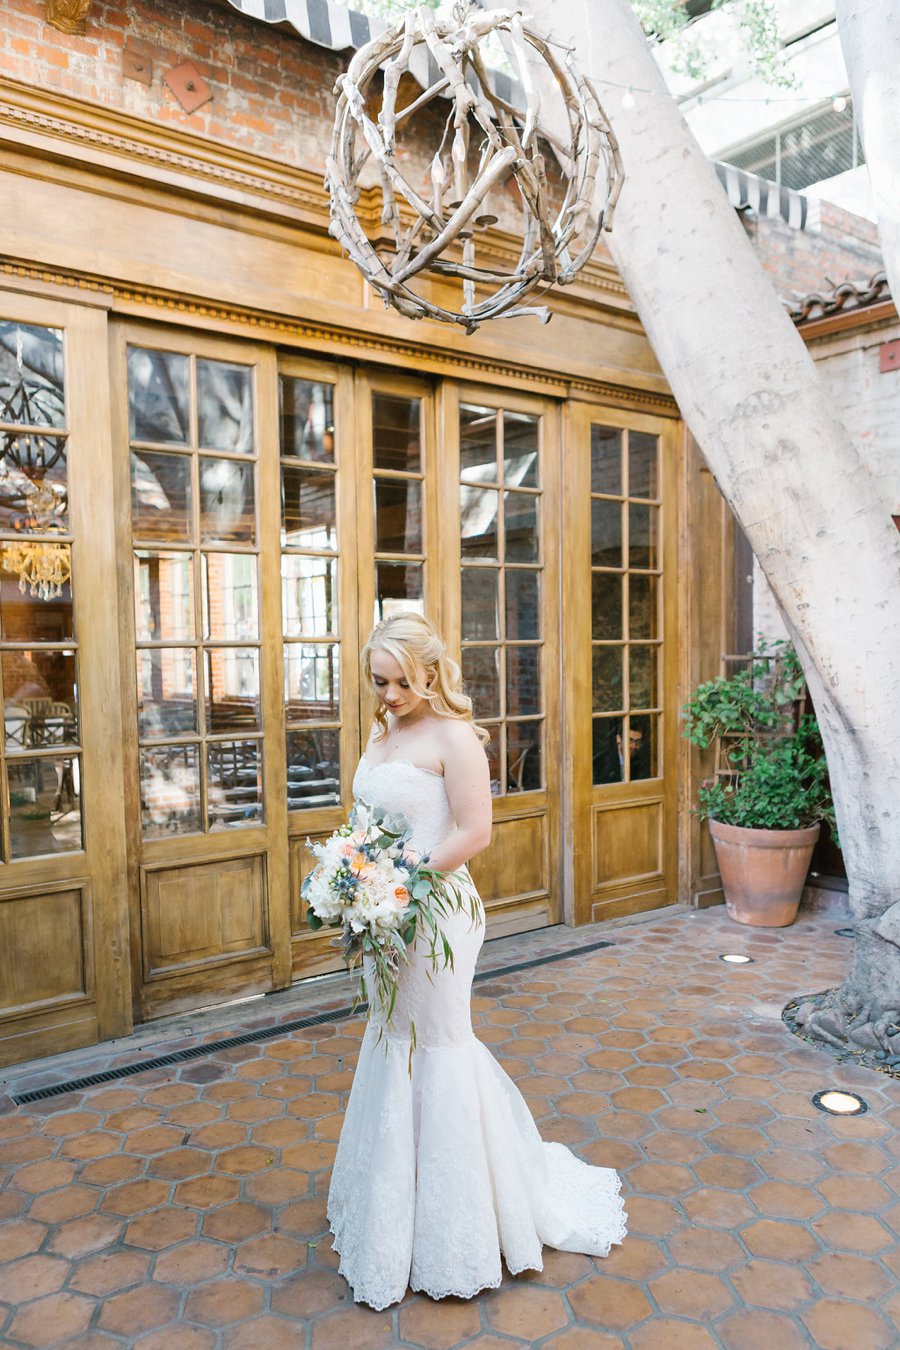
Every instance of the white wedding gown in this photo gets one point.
(440, 1167)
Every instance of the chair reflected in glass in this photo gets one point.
(314, 768)
(44, 805)
(50, 722)
(36, 723)
(235, 783)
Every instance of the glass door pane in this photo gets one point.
(501, 501)
(398, 464)
(626, 598)
(311, 561)
(40, 754)
(196, 559)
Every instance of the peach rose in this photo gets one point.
(361, 865)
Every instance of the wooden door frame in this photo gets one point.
(369, 380)
(312, 953)
(547, 909)
(102, 1009)
(267, 966)
(583, 904)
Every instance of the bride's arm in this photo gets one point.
(468, 783)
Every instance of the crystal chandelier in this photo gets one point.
(43, 569)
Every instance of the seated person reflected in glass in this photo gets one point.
(609, 750)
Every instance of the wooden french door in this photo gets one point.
(191, 554)
(500, 483)
(279, 506)
(456, 502)
(620, 601)
(63, 918)
(199, 597)
(386, 549)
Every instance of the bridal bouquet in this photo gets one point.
(381, 895)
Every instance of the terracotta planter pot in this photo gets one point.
(763, 871)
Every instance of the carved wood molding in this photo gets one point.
(69, 16)
(132, 300)
(117, 142)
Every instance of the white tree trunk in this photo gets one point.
(870, 37)
(752, 397)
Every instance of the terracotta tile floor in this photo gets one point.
(183, 1209)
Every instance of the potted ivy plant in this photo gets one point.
(767, 802)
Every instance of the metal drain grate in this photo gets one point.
(262, 1034)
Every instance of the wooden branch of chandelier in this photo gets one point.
(418, 232)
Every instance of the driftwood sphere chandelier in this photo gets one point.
(425, 259)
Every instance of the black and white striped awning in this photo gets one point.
(746, 191)
(329, 24)
(332, 25)
(320, 21)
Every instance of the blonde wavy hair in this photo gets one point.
(429, 670)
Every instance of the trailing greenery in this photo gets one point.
(669, 21)
(388, 9)
(777, 777)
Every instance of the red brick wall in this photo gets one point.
(272, 92)
(844, 248)
(272, 95)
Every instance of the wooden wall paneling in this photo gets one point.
(92, 507)
(708, 623)
(629, 843)
(131, 793)
(671, 435)
(205, 914)
(553, 662)
(46, 948)
(257, 252)
(576, 628)
(273, 886)
(517, 865)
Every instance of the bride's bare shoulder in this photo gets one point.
(458, 737)
(375, 735)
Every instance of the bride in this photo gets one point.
(440, 1168)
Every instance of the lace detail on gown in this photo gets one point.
(441, 1170)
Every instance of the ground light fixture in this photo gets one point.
(737, 959)
(839, 1103)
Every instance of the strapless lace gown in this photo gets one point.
(441, 1170)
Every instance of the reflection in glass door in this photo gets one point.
(626, 599)
(620, 506)
(399, 493)
(63, 914)
(501, 604)
(40, 753)
(310, 559)
(194, 527)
